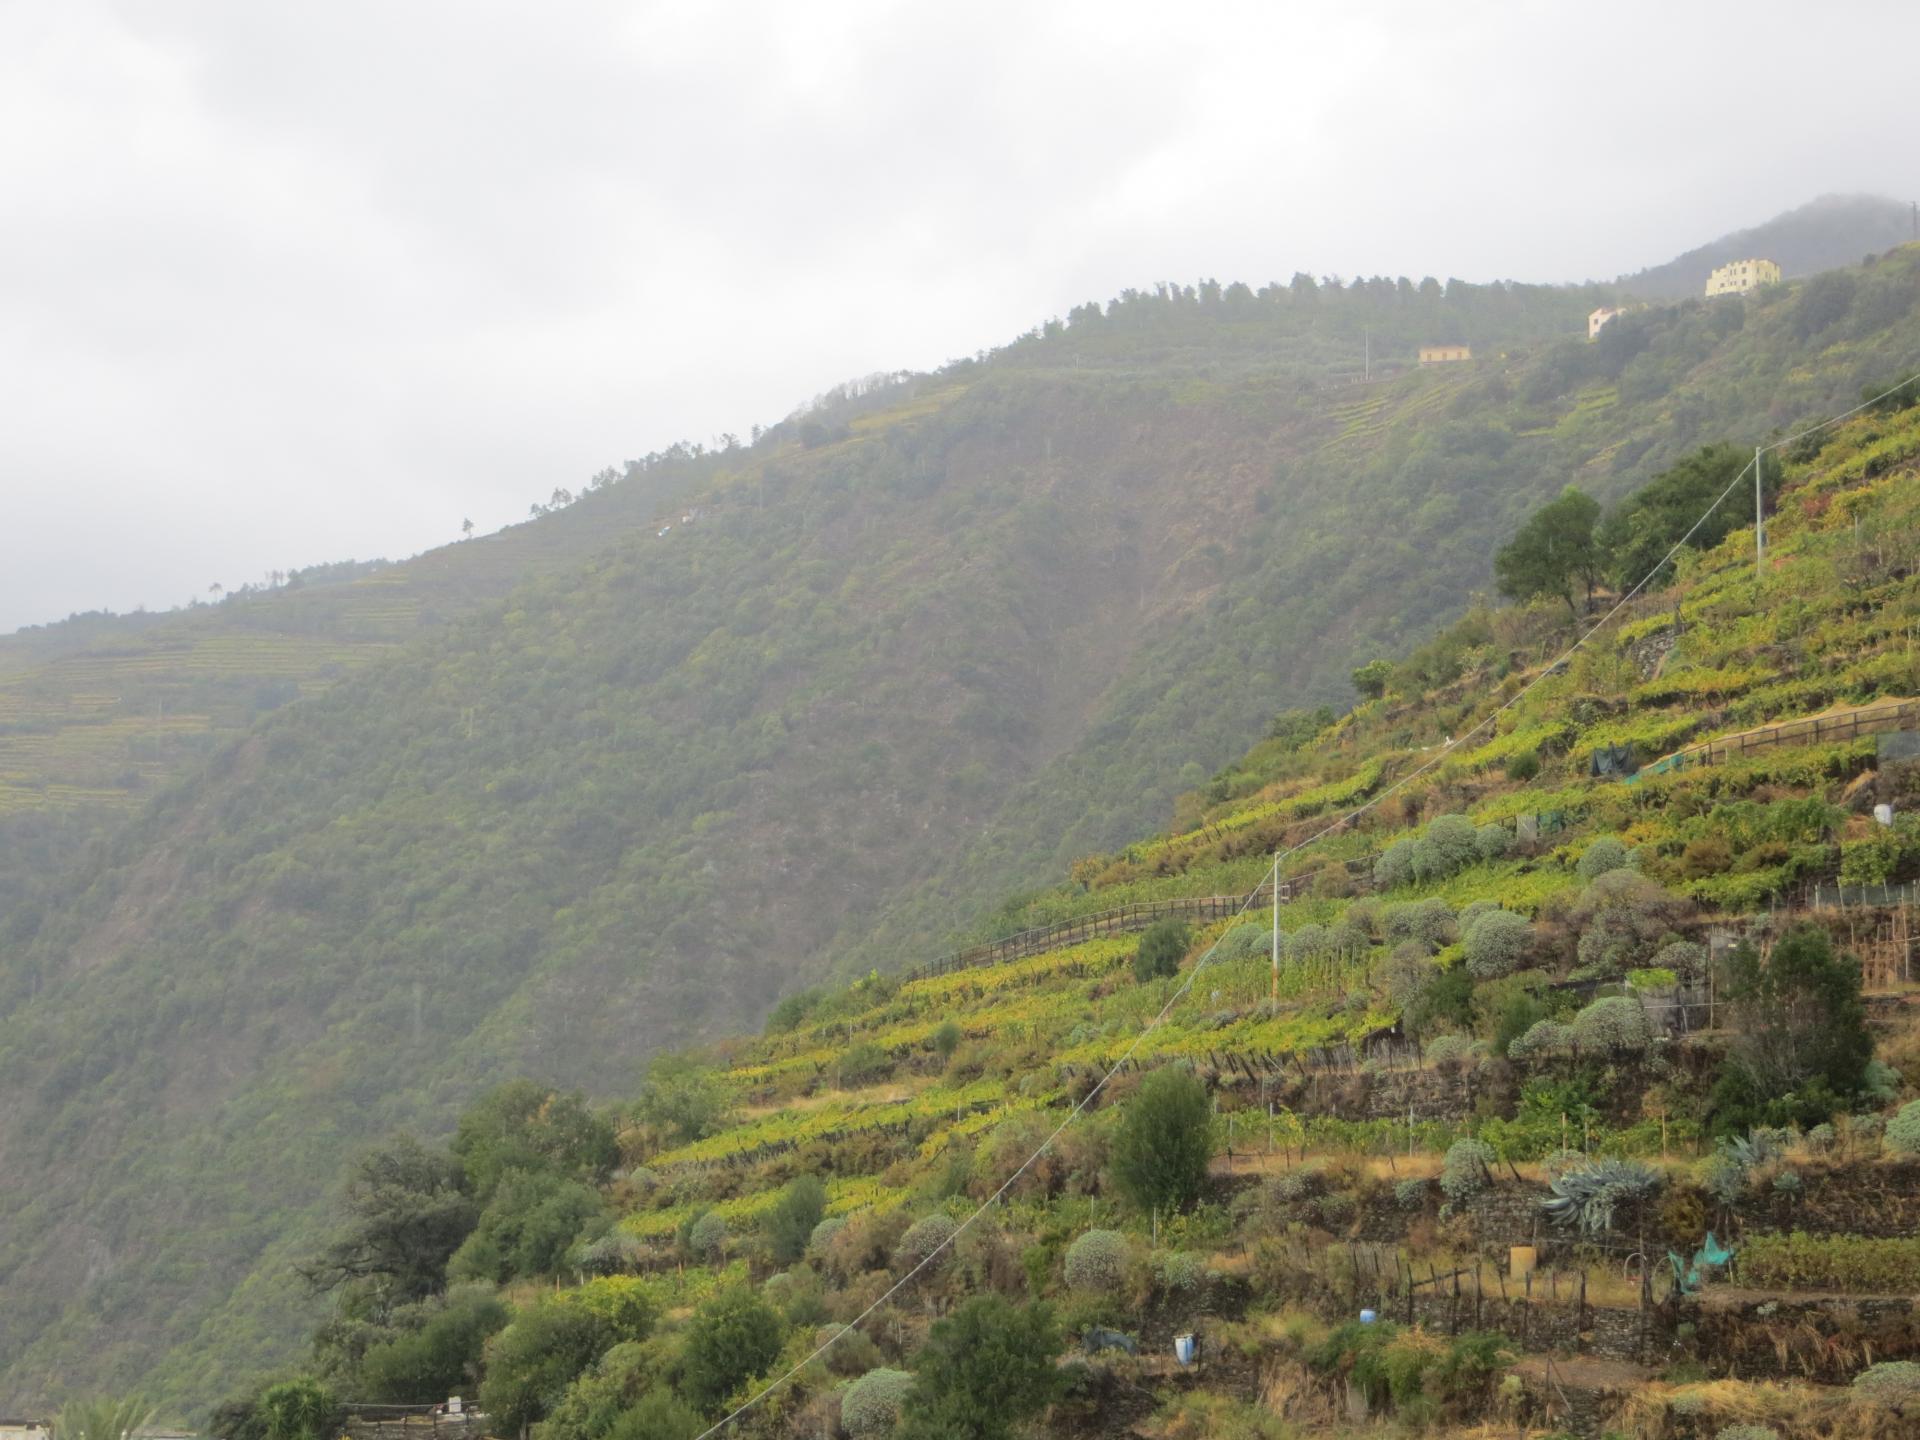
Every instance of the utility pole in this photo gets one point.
(1759, 518)
(1366, 363)
(1275, 997)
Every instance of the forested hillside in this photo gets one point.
(99, 712)
(1393, 1147)
(921, 645)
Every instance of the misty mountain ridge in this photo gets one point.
(1830, 233)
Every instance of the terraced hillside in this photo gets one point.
(1518, 1004)
(926, 644)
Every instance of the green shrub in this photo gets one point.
(1492, 841)
(1497, 945)
(1613, 1023)
(925, 1238)
(1447, 847)
(1463, 1173)
(1428, 922)
(1179, 1272)
(1896, 1381)
(657, 1415)
(441, 1358)
(707, 1237)
(1394, 868)
(1903, 1131)
(530, 1363)
(946, 1039)
(871, 1405)
(1449, 1050)
(528, 1226)
(984, 1370)
(1542, 1038)
(1164, 1142)
(1097, 1261)
(791, 1220)
(864, 1063)
(823, 1234)
(1524, 765)
(1162, 948)
(733, 1337)
(1601, 857)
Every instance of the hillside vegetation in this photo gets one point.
(1493, 1023)
(924, 644)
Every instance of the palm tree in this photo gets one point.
(101, 1419)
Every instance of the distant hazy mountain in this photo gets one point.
(1825, 234)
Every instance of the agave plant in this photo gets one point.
(1588, 1195)
(101, 1419)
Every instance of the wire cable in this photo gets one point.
(1180, 992)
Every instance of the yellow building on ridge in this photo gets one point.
(1740, 276)
(1441, 354)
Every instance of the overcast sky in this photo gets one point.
(285, 283)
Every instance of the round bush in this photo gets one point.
(1428, 922)
(1448, 846)
(1394, 868)
(1290, 1185)
(1243, 942)
(1473, 910)
(1491, 841)
(1097, 1261)
(1682, 957)
(1349, 940)
(823, 1234)
(1523, 766)
(1179, 1273)
(871, 1405)
(1613, 1022)
(1309, 942)
(1464, 1172)
(1497, 944)
(1542, 1038)
(1903, 1131)
(1601, 857)
(1410, 1194)
(924, 1238)
(1895, 1380)
(708, 1237)
(1446, 1050)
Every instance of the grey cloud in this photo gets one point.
(282, 284)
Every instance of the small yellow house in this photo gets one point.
(1740, 276)
(1443, 354)
(22, 1429)
(1598, 319)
